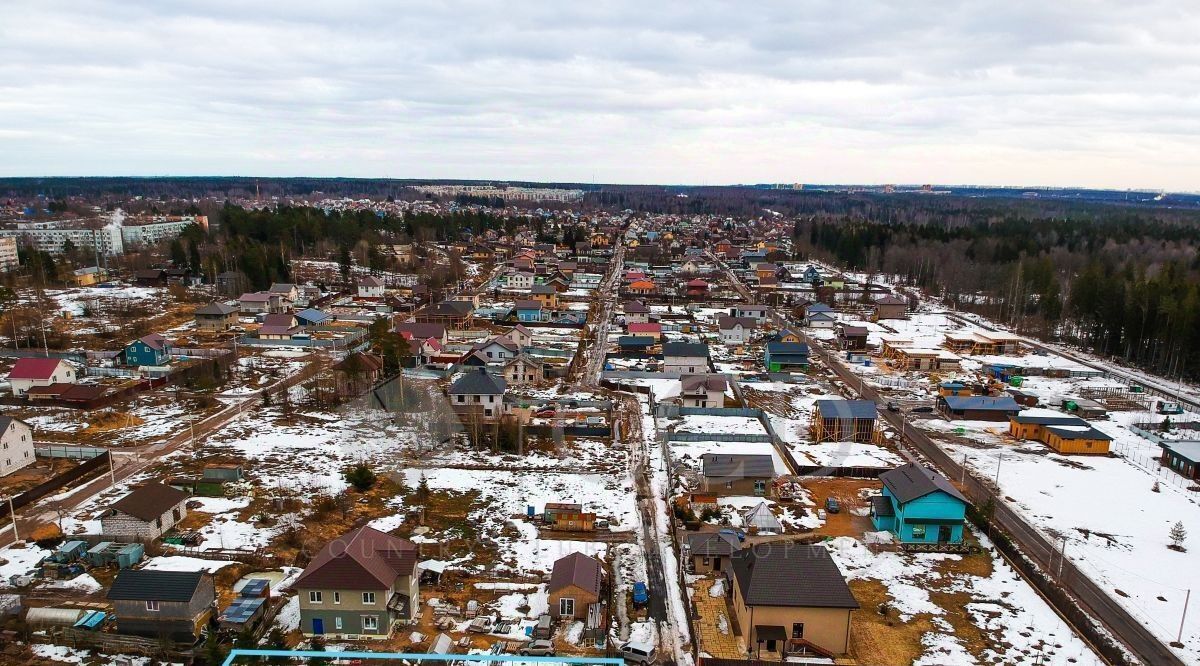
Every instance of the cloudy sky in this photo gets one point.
(1060, 92)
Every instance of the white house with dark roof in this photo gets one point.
(478, 393)
(685, 357)
(146, 513)
(370, 287)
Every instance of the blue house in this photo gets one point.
(529, 310)
(150, 350)
(782, 356)
(919, 506)
(312, 317)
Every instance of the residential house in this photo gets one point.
(356, 374)
(1181, 457)
(890, 307)
(16, 445)
(636, 312)
(86, 277)
(216, 317)
(544, 294)
(28, 373)
(258, 302)
(451, 314)
(695, 288)
(529, 311)
(651, 330)
(711, 551)
(1062, 432)
(736, 330)
(702, 390)
(753, 311)
(685, 357)
(478, 394)
(639, 344)
(791, 602)
(152, 350)
(150, 277)
(852, 338)
(524, 369)
(787, 335)
(844, 421)
(520, 335)
(919, 506)
(925, 358)
(954, 388)
(522, 280)
(422, 331)
(279, 326)
(144, 514)
(359, 585)
(785, 356)
(499, 349)
(737, 474)
(175, 605)
(370, 288)
(568, 517)
(641, 287)
(312, 318)
(578, 584)
(287, 292)
(977, 407)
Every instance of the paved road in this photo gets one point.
(1033, 543)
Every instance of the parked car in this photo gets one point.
(639, 653)
(832, 506)
(921, 410)
(821, 515)
(893, 407)
(640, 595)
(544, 413)
(737, 534)
(538, 649)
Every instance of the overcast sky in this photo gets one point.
(1054, 92)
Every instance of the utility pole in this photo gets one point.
(112, 474)
(12, 513)
(1178, 638)
(1062, 555)
(999, 459)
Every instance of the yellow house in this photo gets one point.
(1063, 433)
(809, 616)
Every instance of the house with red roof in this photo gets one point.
(649, 329)
(31, 372)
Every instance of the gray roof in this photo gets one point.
(1004, 403)
(776, 348)
(692, 349)
(726, 322)
(912, 481)
(1076, 433)
(216, 308)
(741, 465)
(847, 409)
(1187, 449)
(155, 585)
(882, 507)
(479, 382)
(712, 543)
(635, 341)
(1048, 419)
(789, 574)
(6, 421)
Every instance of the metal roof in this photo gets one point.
(155, 585)
(150, 501)
(687, 349)
(790, 574)
(913, 481)
(847, 409)
(479, 382)
(579, 570)
(740, 465)
(1004, 403)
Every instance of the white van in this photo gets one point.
(639, 653)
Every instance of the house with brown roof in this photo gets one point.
(359, 585)
(791, 601)
(702, 390)
(356, 374)
(890, 307)
(215, 317)
(578, 582)
(146, 513)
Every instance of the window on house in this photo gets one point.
(370, 623)
(314, 597)
(797, 630)
(337, 622)
(566, 607)
(918, 531)
(337, 597)
(368, 597)
(158, 522)
(152, 605)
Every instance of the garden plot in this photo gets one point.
(691, 452)
(1115, 526)
(702, 424)
(951, 609)
(503, 497)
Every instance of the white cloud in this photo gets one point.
(1070, 92)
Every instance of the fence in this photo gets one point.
(85, 469)
(856, 472)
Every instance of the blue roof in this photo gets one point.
(982, 403)
(254, 587)
(635, 341)
(847, 409)
(312, 315)
(787, 349)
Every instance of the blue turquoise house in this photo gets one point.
(530, 311)
(784, 356)
(919, 506)
(150, 350)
